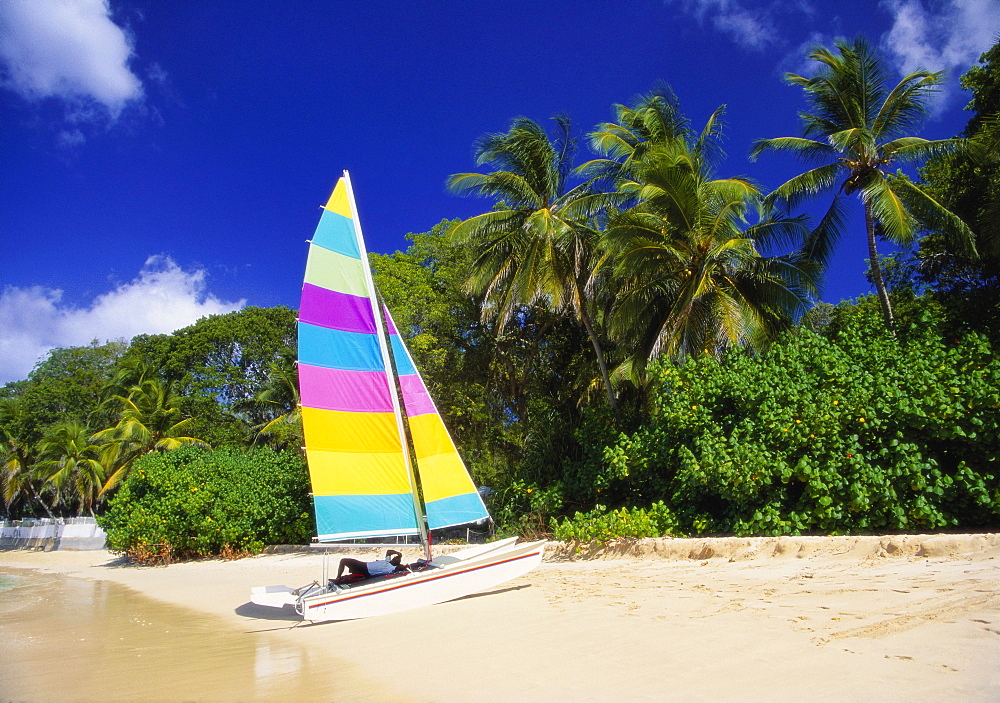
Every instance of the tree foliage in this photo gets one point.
(691, 278)
(218, 364)
(539, 244)
(150, 420)
(195, 502)
(505, 391)
(968, 183)
(69, 383)
(858, 129)
(858, 432)
(70, 459)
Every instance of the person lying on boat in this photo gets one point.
(357, 569)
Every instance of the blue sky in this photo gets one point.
(166, 160)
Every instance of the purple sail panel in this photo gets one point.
(349, 391)
(390, 326)
(415, 396)
(338, 311)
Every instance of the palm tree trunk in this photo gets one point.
(600, 358)
(883, 294)
(38, 499)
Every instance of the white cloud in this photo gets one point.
(67, 49)
(161, 299)
(749, 28)
(940, 36)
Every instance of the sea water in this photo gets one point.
(67, 639)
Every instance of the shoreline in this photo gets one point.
(834, 618)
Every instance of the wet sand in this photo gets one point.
(825, 619)
(75, 639)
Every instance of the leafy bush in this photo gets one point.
(862, 432)
(601, 525)
(523, 509)
(194, 502)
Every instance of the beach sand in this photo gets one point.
(913, 618)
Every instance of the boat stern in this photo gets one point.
(274, 596)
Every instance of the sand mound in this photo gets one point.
(749, 548)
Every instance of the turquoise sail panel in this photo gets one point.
(335, 349)
(348, 517)
(462, 509)
(336, 233)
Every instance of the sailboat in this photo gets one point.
(364, 408)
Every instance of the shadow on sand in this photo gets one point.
(263, 612)
(494, 593)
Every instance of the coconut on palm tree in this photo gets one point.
(539, 243)
(858, 129)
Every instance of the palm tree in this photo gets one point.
(859, 128)
(279, 400)
(129, 372)
(17, 454)
(654, 119)
(68, 457)
(539, 243)
(150, 420)
(694, 281)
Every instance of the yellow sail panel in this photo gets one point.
(444, 476)
(356, 473)
(350, 431)
(442, 472)
(338, 201)
(430, 437)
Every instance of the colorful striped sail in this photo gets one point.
(362, 485)
(356, 444)
(450, 497)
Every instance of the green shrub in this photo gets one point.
(523, 509)
(601, 525)
(195, 502)
(863, 432)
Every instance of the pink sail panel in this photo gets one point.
(416, 399)
(340, 389)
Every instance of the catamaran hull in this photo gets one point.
(461, 577)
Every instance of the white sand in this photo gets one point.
(914, 618)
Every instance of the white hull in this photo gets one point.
(457, 575)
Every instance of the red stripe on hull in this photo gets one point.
(428, 580)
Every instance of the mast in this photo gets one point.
(390, 369)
